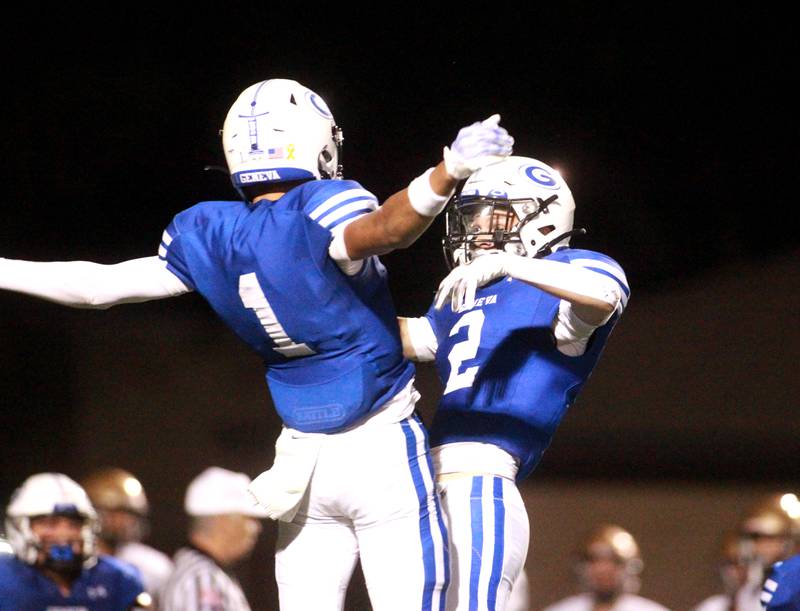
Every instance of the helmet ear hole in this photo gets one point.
(324, 162)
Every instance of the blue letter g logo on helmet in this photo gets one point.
(318, 104)
(540, 176)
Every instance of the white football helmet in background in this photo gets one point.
(46, 494)
(278, 131)
(519, 205)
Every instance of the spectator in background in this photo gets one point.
(732, 572)
(51, 527)
(123, 511)
(768, 533)
(223, 529)
(609, 568)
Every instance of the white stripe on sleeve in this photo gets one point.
(606, 267)
(333, 216)
(335, 200)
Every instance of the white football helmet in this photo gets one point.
(278, 131)
(46, 494)
(518, 205)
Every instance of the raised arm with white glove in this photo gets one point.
(405, 215)
(594, 297)
(82, 284)
(476, 146)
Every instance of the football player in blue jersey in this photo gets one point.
(526, 321)
(292, 270)
(51, 527)
(782, 588)
(769, 533)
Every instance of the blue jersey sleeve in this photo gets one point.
(211, 219)
(431, 317)
(171, 247)
(331, 203)
(598, 263)
(8, 579)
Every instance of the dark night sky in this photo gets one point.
(670, 126)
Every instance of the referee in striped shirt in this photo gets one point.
(223, 529)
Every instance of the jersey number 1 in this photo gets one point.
(464, 351)
(253, 298)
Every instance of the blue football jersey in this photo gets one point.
(329, 341)
(506, 383)
(782, 589)
(109, 585)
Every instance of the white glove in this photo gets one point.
(476, 146)
(460, 284)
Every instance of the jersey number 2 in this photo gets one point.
(464, 351)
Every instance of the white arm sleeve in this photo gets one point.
(82, 284)
(570, 278)
(571, 333)
(422, 338)
(338, 251)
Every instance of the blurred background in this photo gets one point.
(671, 127)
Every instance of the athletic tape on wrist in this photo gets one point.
(423, 198)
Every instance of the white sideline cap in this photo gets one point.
(218, 491)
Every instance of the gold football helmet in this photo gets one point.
(121, 503)
(610, 561)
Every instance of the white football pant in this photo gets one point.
(372, 494)
(489, 534)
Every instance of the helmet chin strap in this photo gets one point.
(547, 248)
(338, 138)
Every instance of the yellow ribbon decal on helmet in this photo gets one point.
(290, 151)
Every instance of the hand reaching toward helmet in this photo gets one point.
(459, 285)
(476, 146)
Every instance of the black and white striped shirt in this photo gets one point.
(200, 584)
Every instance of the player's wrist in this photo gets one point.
(423, 198)
(454, 164)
